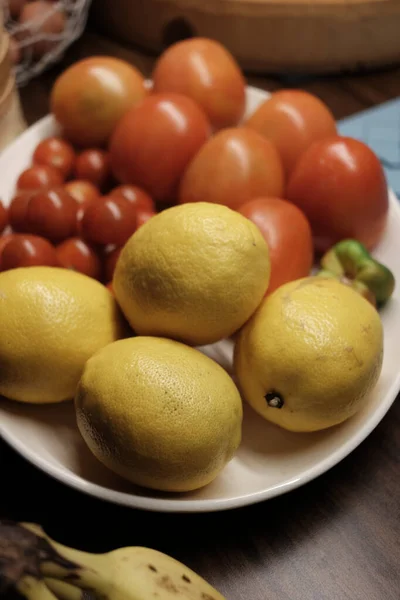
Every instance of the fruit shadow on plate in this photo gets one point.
(53, 429)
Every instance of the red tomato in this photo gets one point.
(17, 211)
(4, 239)
(143, 216)
(28, 251)
(340, 185)
(206, 72)
(154, 142)
(3, 217)
(138, 197)
(52, 214)
(57, 153)
(39, 176)
(91, 96)
(110, 262)
(108, 221)
(82, 191)
(94, 166)
(288, 235)
(233, 167)
(77, 255)
(293, 120)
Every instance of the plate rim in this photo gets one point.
(202, 505)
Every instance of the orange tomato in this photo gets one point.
(233, 167)
(288, 235)
(340, 185)
(293, 120)
(154, 142)
(91, 96)
(206, 72)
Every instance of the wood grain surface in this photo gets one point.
(337, 538)
(296, 35)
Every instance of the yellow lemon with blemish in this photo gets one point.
(310, 355)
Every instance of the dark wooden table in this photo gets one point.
(336, 538)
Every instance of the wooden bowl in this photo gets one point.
(266, 35)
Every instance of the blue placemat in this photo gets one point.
(379, 127)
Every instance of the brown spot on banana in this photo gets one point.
(166, 583)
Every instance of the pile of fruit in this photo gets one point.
(204, 224)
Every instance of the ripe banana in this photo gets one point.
(55, 572)
(34, 589)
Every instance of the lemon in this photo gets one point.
(51, 321)
(310, 355)
(194, 273)
(159, 413)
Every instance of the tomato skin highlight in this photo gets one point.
(292, 120)
(108, 221)
(28, 251)
(38, 177)
(56, 153)
(233, 167)
(90, 97)
(138, 197)
(206, 72)
(77, 255)
(341, 187)
(155, 141)
(287, 232)
(93, 165)
(52, 214)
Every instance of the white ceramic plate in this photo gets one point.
(269, 461)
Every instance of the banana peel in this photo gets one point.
(350, 262)
(42, 569)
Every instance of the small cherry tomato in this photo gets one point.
(288, 235)
(94, 165)
(138, 197)
(28, 251)
(108, 221)
(292, 120)
(206, 72)
(39, 176)
(142, 216)
(90, 97)
(17, 211)
(233, 167)
(57, 153)
(340, 185)
(110, 262)
(82, 191)
(155, 141)
(3, 217)
(77, 255)
(52, 214)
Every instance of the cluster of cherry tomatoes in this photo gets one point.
(186, 138)
(59, 217)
